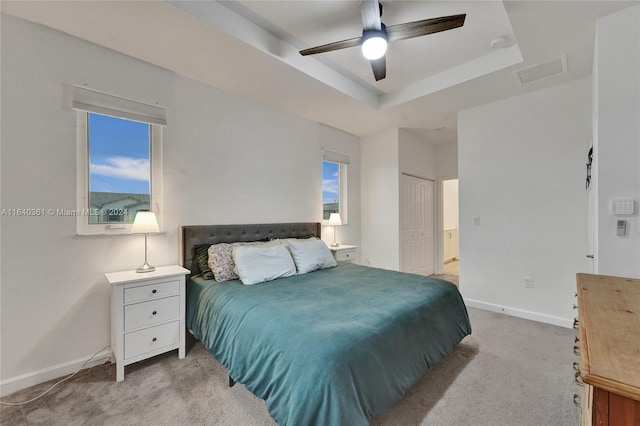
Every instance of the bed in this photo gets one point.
(331, 347)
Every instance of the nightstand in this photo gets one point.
(147, 314)
(344, 252)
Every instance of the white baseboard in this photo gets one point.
(22, 381)
(520, 313)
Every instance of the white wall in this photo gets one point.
(617, 140)
(380, 202)
(447, 160)
(521, 170)
(417, 157)
(226, 160)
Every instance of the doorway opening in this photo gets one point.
(450, 226)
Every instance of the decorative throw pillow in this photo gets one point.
(311, 255)
(202, 259)
(220, 260)
(260, 264)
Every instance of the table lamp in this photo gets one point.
(145, 223)
(334, 220)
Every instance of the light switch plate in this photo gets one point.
(624, 206)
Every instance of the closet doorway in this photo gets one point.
(417, 225)
(450, 226)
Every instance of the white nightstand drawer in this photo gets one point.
(152, 291)
(343, 255)
(150, 339)
(147, 314)
(152, 312)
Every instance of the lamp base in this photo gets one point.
(146, 268)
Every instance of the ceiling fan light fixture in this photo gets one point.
(374, 44)
(375, 35)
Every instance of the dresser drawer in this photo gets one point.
(147, 314)
(151, 291)
(149, 339)
(343, 255)
(152, 312)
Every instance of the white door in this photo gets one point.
(416, 225)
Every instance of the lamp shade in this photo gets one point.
(334, 219)
(145, 223)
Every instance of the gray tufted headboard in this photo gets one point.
(194, 235)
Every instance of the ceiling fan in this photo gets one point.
(375, 35)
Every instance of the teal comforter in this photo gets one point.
(331, 347)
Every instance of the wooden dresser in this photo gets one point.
(609, 348)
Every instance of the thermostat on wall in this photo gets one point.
(623, 206)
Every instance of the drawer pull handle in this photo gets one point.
(154, 339)
(576, 366)
(576, 324)
(154, 312)
(154, 291)
(579, 381)
(576, 400)
(576, 339)
(576, 350)
(575, 306)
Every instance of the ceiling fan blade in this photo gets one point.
(332, 46)
(424, 27)
(379, 67)
(370, 11)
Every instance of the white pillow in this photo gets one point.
(311, 255)
(257, 264)
(303, 240)
(285, 241)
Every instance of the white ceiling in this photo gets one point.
(251, 48)
(305, 24)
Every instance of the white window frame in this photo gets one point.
(343, 162)
(105, 104)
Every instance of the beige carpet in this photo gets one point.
(452, 268)
(510, 372)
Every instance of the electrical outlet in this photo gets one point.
(528, 282)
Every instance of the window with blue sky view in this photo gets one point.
(330, 189)
(119, 167)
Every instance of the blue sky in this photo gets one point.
(330, 182)
(118, 155)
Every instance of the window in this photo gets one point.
(119, 163)
(330, 189)
(334, 184)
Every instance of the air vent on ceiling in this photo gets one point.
(543, 70)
